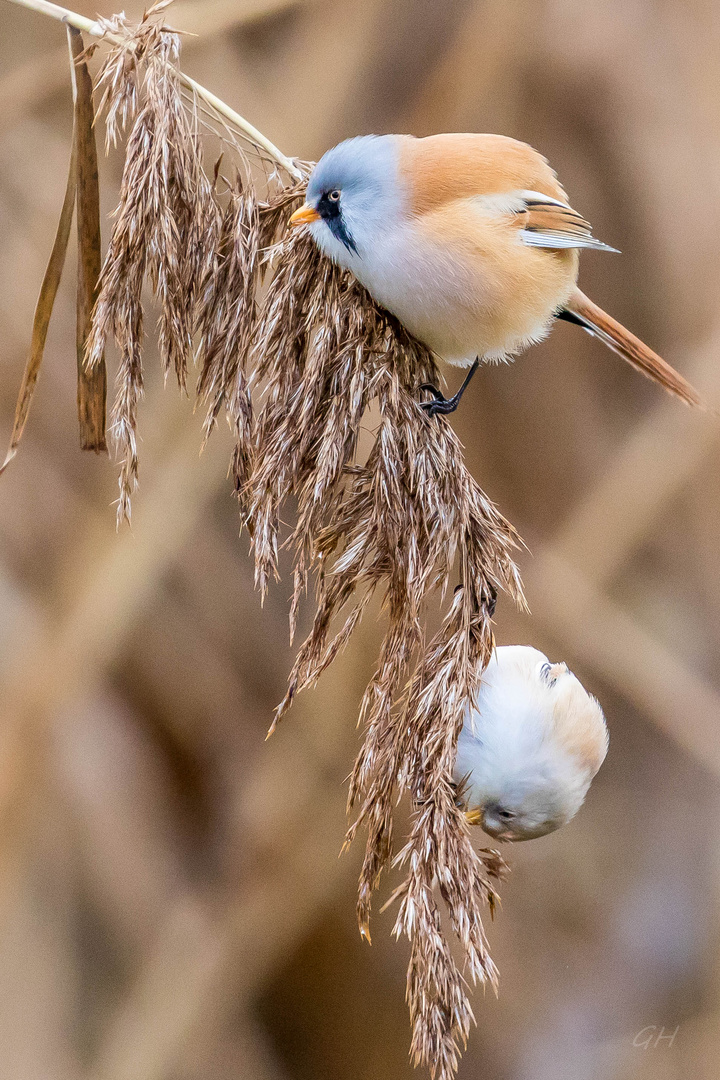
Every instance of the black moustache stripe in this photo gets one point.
(338, 229)
(331, 214)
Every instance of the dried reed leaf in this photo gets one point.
(43, 312)
(92, 383)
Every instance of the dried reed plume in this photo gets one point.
(227, 314)
(400, 523)
(408, 523)
(165, 224)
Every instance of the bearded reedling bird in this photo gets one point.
(530, 746)
(469, 240)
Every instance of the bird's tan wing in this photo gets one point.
(550, 223)
(503, 175)
(442, 168)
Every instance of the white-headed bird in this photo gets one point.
(530, 746)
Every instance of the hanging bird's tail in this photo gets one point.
(581, 310)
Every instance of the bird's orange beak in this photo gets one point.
(304, 216)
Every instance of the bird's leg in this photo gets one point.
(441, 404)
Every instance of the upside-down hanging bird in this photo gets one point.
(531, 743)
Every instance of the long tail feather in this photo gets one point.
(581, 310)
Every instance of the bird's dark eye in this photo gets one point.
(506, 815)
(334, 196)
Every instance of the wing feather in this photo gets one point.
(549, 223)
(556, 238)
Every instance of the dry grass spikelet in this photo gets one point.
(404, 522)
(165, 225)
(227, 314)
(226, 317)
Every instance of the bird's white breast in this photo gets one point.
(447, 295)
(429, 289)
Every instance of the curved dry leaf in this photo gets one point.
(43, 311)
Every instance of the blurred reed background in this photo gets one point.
(171, 902)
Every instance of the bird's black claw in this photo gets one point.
(440, 406)
(439, 402)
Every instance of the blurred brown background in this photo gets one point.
(171, 902)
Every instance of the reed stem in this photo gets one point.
(90, 26)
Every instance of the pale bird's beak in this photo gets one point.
(304, 216)
(476, 816)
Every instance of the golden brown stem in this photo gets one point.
(90, 26)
